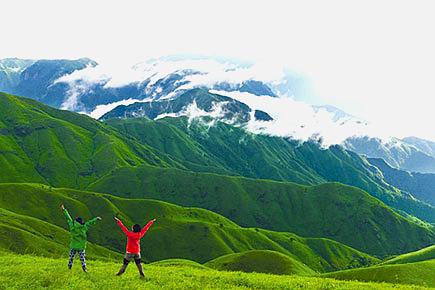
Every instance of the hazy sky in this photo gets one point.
(374, 59)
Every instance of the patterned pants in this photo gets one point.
(72, 253)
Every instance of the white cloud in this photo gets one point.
(300, 120)
(100, 110)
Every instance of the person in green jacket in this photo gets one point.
(78, 235)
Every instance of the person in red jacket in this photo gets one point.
(133, 245)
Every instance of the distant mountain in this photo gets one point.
(10, 72)
(397, 153)
(37, 78)
(81, 85)
(421, 185)
(193, 103)
(426, 146)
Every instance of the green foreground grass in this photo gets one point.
(420, 273)
(24, 272)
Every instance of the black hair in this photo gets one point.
(137, 228)
(80, 220)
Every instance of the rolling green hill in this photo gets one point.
(329, 210)
(29, 272)
(260, 262)
(424, 254)
(60, 148)
(221, 148)
(411, 268)
(200, 234)
(419, 273)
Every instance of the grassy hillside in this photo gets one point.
(222, 148)
(34, 272)
(200, 234)
(60, 148)
(424, 254)
(419, 273)
(330, 210)
(260, 262)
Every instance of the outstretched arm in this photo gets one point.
(121, 225)
(67, 215)
(145, 228)
(92, 221)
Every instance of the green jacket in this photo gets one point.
(78, 231)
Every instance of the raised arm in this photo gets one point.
(145, 228)
(92, 222)
(121, 225)
(69, 220)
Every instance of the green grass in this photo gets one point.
(419, 273)
(417, 256)
(260, 261)
(25, 272)
(179, 263)
(329, 210)
(200, 235)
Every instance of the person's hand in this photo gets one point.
(116, 219)
(62, 207)
(98, 218)
(153, 220)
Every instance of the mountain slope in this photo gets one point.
(226, 148)
(60, 148)
(10, 71)
(33, 210)
(397, 153)
(421, 185)
(199, 101)
(426, 146)
(222, 148)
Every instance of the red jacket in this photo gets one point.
(133, 239)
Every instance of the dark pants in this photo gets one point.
(127, 258)
(72, 253)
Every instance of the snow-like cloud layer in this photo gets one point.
(292, 118)
(100, 110)
(300, 120)
(208, 72)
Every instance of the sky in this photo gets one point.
(373, 59)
